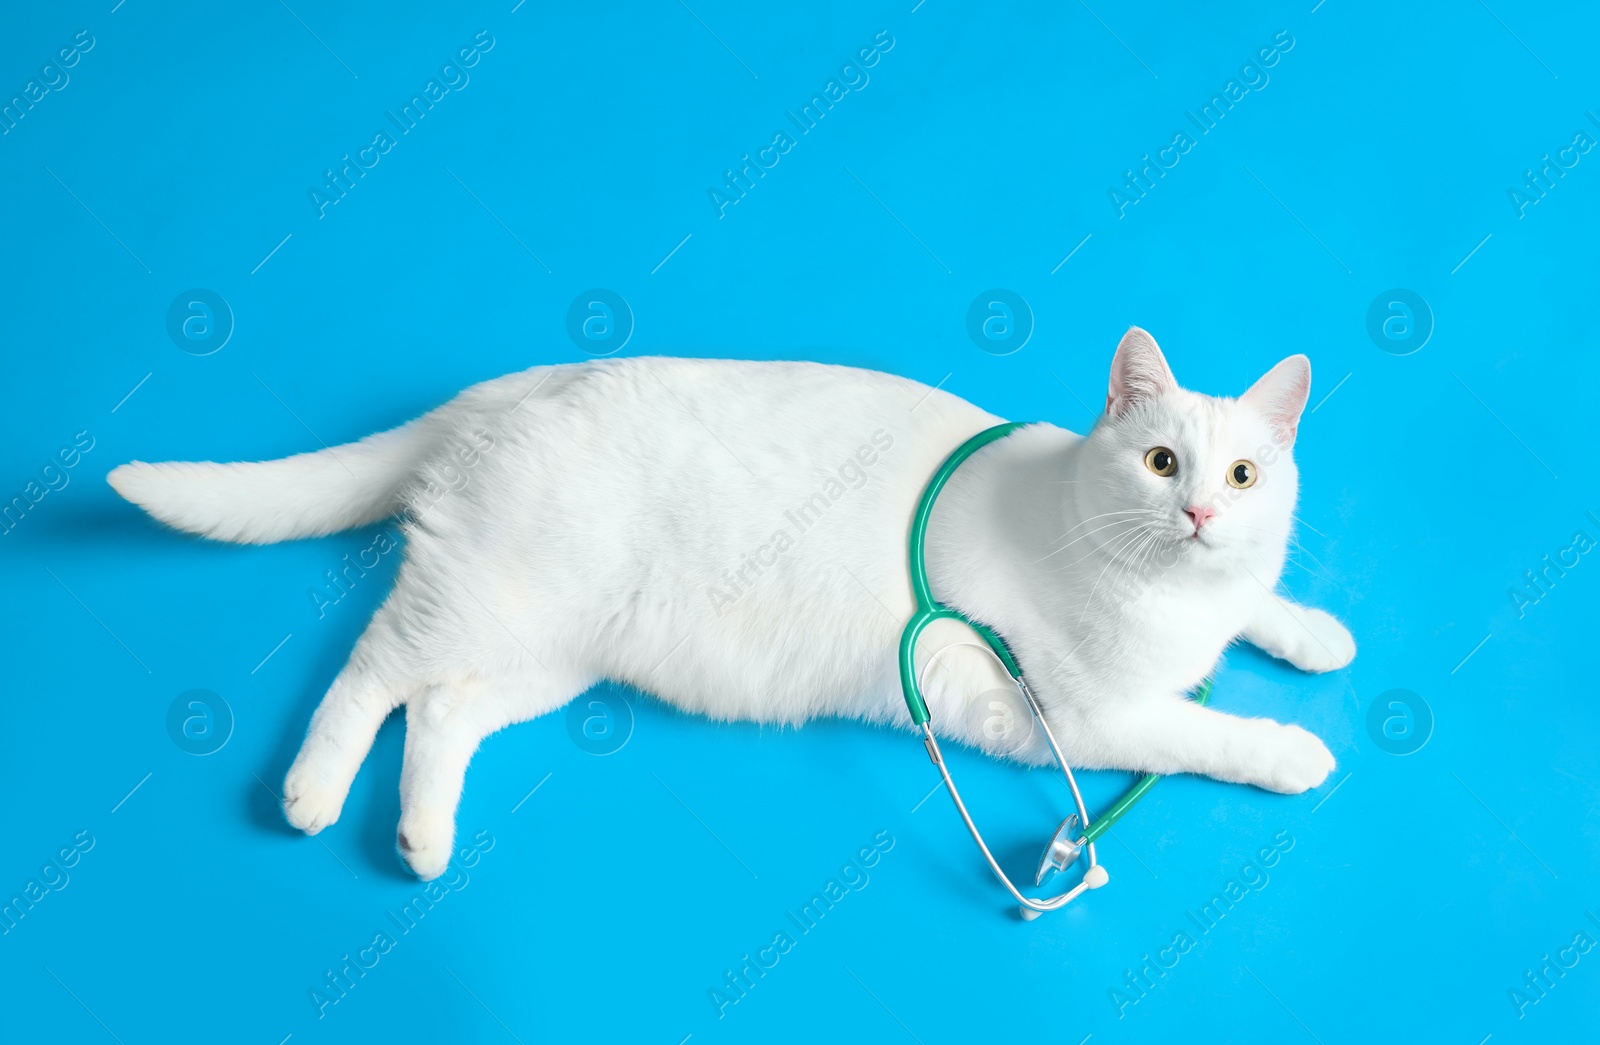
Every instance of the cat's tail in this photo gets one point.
(307, 495)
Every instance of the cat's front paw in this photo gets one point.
(1296, 761)
(1328, 645)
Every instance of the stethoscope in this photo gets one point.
(1067, 844)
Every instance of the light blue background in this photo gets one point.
(980, 154)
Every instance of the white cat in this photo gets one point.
(731, 537)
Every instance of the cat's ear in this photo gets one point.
(1139, 373)
(1281, 396)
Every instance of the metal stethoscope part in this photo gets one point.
(1063, 849)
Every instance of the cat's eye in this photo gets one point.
(1241, 475)
(1161, 461)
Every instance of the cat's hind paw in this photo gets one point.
(309, 802)
(425, 847)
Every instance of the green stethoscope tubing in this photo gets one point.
(929, 610)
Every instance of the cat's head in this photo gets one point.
(1211, 478)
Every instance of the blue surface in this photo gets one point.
(1380, 152)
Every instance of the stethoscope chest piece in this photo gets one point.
(1061, 852)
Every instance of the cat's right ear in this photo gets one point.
(1281, 396)
(1139, 373)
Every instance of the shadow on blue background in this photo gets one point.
(1430, 896)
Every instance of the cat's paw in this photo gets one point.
(425, 845)
(1328, 645)
(310, 803)
(1296, 761)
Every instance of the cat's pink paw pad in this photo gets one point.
(425, 848)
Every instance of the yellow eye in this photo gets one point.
(1161, 461)
(1241, 475)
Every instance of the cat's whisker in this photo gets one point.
(1091, 533)
(1123, 516)
(1297, 518)
(1096, 547)
(1094, 590)
(1133, 555)
(1296, 544)
(1091, 551)
(1146, 552)
(1321, 570)
(1122, 550)
(1088, 603)
(1101, 515)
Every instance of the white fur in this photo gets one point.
(575, 523)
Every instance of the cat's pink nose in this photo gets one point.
(1201, 514)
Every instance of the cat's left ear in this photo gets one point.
(1281, 396)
